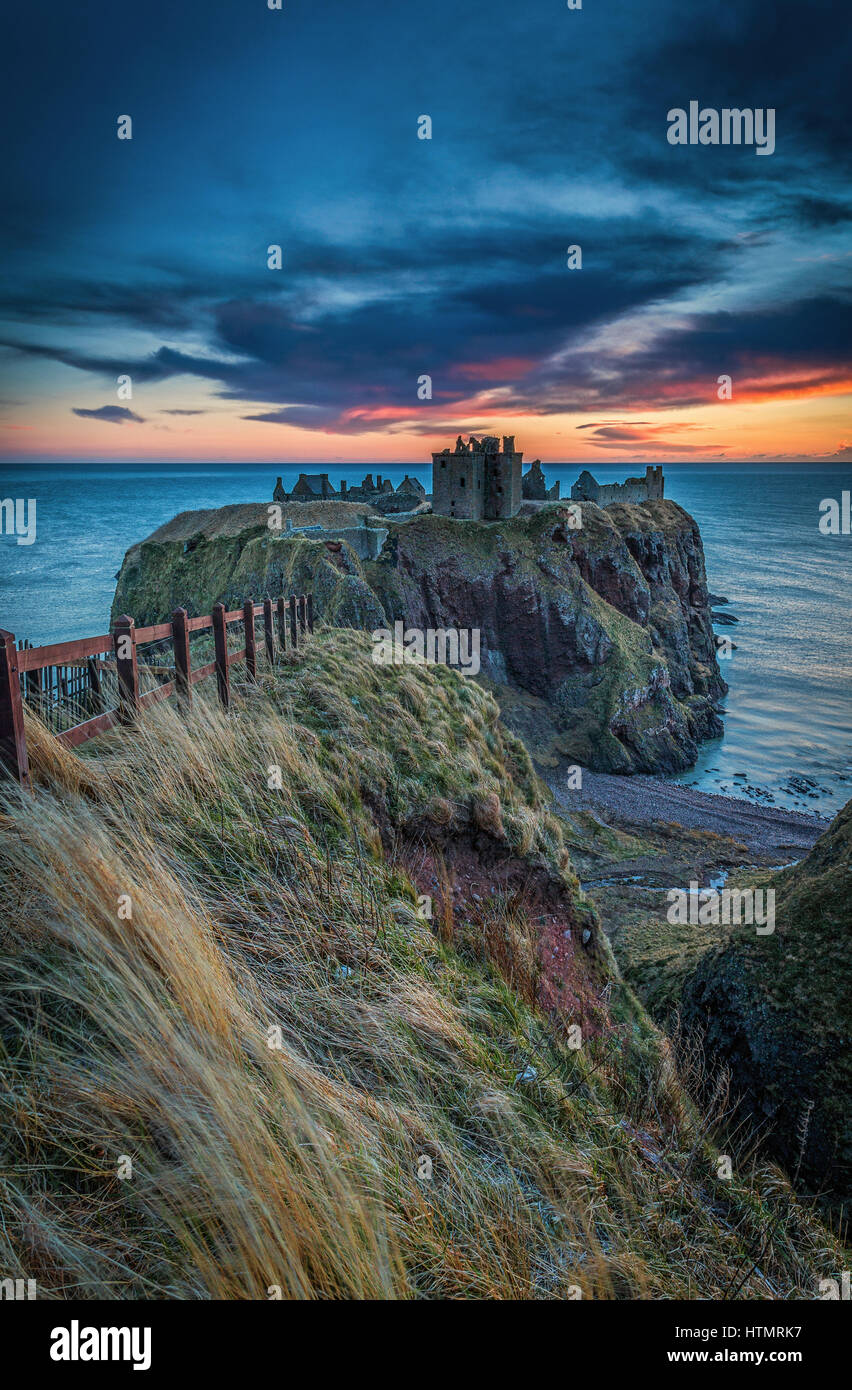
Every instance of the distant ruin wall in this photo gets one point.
(647, 489)
(366, 540)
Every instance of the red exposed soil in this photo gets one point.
(477, 885)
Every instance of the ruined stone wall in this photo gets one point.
(459, 485)
(441, 483)
(647, 489)
(632, 490)
(366, 540)
(656, 482)
(503, 485)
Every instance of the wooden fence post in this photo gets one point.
(220, 637)
(124, 642)
(34, 680)
(183, 667)
(310, 612)
(268, 631)
(251, 649)
(294, 636)
(13, 743)
(303, 614)
(282, 623)
(96, 696)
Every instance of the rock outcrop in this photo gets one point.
(598, 641)
(201, 558)
(776, 1010)
(605, 630)
(534, 488)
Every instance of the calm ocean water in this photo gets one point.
(789, 711)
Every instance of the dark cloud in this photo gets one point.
(447, 258)
(111, 414)
(358, 369)
(820, 212)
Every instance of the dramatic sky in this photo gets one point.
(405, 257)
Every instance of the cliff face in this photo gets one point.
(609, 626)
(776, 1010)
(229, 554)
(598, 641)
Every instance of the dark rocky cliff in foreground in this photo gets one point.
(598, 641)
(777, 1009)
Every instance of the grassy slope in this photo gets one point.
(256, 909)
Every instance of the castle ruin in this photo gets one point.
(316, 487)
(647, 489)
(478, 481)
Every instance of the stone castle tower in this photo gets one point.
(478, 481)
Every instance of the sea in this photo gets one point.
(788, 713)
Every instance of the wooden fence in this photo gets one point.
(81, 676)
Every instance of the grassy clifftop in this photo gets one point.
(172, 569)
(598, 640)
(219, 967)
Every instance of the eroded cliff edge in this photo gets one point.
(772, 1006)
(598, 641)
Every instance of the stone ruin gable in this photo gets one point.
(363, 493)
(656, 482)
(412, 487)
(534, 488)
(368, 491)
(647, 489)
(311, 487)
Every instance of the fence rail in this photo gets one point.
(100, 677)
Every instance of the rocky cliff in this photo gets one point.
(229, 554)
(597, 641)
(776, 1009)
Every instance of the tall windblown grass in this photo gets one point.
(226, 981)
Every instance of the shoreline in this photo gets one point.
(644, 800)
